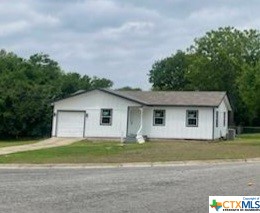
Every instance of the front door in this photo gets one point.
(134, 120)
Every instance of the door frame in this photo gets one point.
(128, 117)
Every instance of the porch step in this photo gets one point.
(132, 138)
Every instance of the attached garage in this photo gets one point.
(70, 123)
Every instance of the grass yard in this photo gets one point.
(246, 146)
(5, 143)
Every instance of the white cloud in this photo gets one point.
(131, 27)
(13, 27)
(116, 39)
(19, 17)
(40, 19)
(213, 14)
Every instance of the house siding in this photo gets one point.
(175, 123)
(175, 120)
(92, 102)
(221, 130)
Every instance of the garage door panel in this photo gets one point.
(70, 124)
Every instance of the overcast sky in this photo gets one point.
(116, 39)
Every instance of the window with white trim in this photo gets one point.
(106, 117)
(159, 117)
(192, 118)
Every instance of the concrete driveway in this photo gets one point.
(48, 143)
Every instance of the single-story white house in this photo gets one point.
(105, 113)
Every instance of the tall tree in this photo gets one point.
(169, 73)
(220, 58)
(217, 61)
(100, 83)
(128, 88)
(249, 89)
(27, 89)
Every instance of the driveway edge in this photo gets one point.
(130, 165)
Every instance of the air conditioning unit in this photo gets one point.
(231, 134)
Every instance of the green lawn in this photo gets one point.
(246, 146)
(5, 143)
(250, 136)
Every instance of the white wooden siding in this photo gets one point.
(175, 123)
(175, 120)
(92, 102)
(221, 130)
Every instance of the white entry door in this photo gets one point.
(134, 121)
(70, 123)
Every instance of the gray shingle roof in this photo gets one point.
(172, 98)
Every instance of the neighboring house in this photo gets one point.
(104, 113)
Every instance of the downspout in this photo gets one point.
(139, 136)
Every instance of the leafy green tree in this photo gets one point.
(128, 88)
(169, 73)
(27, 89)
(70, 83)
(220, 56)
(221, 60)
(100, 83)
(249, 89)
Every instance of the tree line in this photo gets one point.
(27, 89)
(226, 59)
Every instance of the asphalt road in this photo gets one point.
(159, 189)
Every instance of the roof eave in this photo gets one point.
(226, 100)
(71, 95)
(121, 96)
(179, 105)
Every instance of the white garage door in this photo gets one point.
(70, 124)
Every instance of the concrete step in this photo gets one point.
(132, 138)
